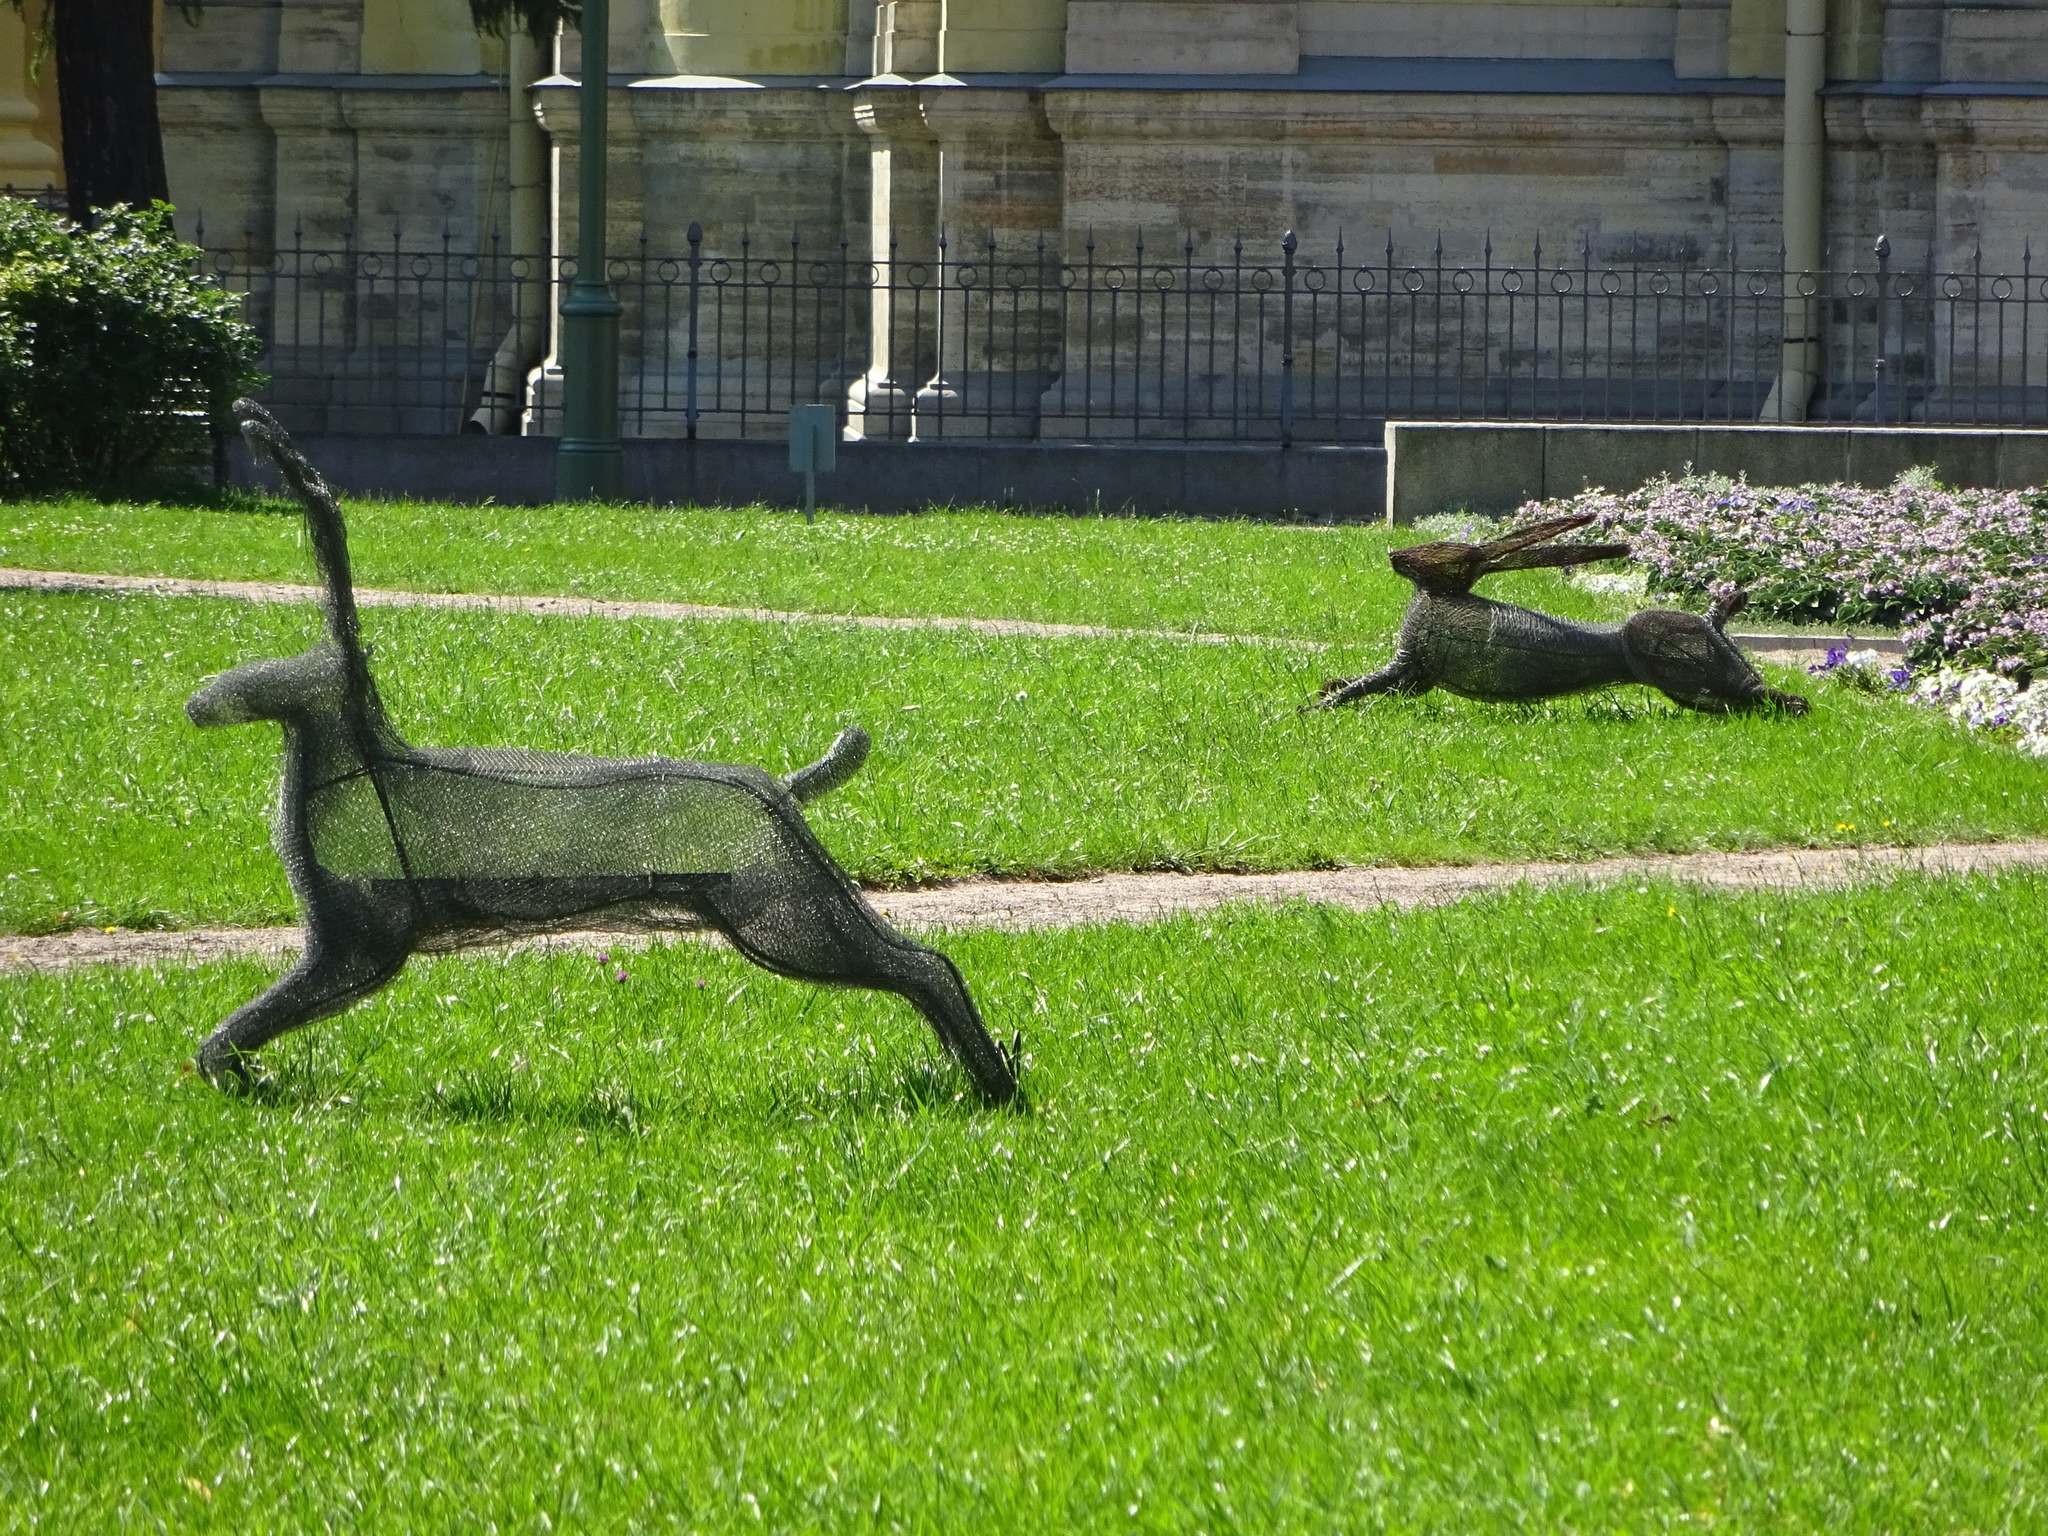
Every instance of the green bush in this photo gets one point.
(114, 355)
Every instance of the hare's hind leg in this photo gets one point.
(932, 984)
(830, 934)
(326, 980)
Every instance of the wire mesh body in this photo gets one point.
(1263, 339)
(1499, 653)
(393, 849)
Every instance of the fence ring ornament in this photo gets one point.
(668, 270)
(1952, 287)
(1163, 279)
(1015, 277)
(469, 267)
(2001, 288)
(1710, 283)
(820, 274)
(1262, 280)
(1660, 283)
(720, 271)
(917, 275)
(1511, 280)
(1412, 280)
(966, 274)
(1610, 282)
(1364, 281)
(1759, 284)
(1069, 278)
(1315, 279)
(1212, 279)
(422, 267)
(520, 269)
(370, 265)
(1462, 281)
(1560, 283)
(1113, 279)
(1808, 285)
(223, 262)
(618, 269)
(769, 273)
(1903, 287)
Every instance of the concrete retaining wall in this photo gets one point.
(1291, 484)
(1439, 466)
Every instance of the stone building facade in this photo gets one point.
(1629, 127)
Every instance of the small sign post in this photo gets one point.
(813, 449)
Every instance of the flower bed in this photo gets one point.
(1965, 573)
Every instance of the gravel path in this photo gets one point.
(1790, 650)
(589, 607)
(1017, 905)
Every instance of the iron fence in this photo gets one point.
(1095, 344)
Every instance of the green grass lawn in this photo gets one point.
(1218, 577)
(1636, 1210)
(992, 755)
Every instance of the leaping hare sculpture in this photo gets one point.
(1473, 646)
(393, 849)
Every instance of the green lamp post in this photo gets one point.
(587, 460)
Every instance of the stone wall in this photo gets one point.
(1643, 127)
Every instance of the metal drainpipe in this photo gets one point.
(1806, 50)
(504, 392)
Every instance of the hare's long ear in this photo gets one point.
(323, 521)
(1535, 533)
(1556, 554)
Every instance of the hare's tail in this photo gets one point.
(840, 763)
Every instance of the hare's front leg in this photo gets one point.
(328, 977)
(932, 984)
(1397, 676)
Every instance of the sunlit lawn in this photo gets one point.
(1638, 1210)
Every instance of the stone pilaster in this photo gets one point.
(907, 38)
(1699, 40)
(771, 172)
(1003, 37)
(1000, 208)
(1991, 177)
(747, 38)
(903, 223)
(321, 37)
(26, 159)
(1195, 37)
(1912, 39)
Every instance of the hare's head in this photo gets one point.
(312, 683)
(332, 675)
(1447, 567)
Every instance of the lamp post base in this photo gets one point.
(588, 470)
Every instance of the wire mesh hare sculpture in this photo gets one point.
(1471, 645)
(393, 849)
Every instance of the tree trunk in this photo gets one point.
(106, 96)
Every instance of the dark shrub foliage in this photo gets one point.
(114, 356)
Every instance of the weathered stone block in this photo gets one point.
(1439, 466)
(1165, 37)
(1774, 455)
(1879, 455)
(1619, 458)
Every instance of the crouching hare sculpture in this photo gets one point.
(393, 849)
(1473, 646)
